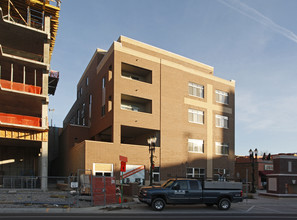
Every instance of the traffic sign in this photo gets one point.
(123, 166)
(124, 159)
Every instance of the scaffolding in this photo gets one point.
(32, 13)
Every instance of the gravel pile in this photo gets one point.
(18, 199)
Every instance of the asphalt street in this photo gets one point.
(156, 216)
(261, 207)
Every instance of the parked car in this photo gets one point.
(191, 191)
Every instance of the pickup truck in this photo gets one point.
(191, 191)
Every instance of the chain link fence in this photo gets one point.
(25, 190)
(82, 190)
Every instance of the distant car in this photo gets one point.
(191, 191)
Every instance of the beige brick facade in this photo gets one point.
(146, 93)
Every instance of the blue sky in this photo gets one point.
(251, 41)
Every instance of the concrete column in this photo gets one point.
(210, 144)
(44, 147)
(44, 165)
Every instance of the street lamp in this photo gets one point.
(152, 144)
(253, 159)
(51, 110)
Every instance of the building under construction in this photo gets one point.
(28, 31)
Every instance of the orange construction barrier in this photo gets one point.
(20, 119)
(20, 86)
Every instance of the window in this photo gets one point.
(220, 174)
(193, 172)
(194, 185)
(83, 110)
(156, 174)
(103, 110)
(268, 167)
(78, 116)
(222, 149)
(103, 82)
(110, 73)
(181, 184)
(221, 121)
(80, 91)
(109, 103)
(222, 97)
(195, 146)
(196, 116)
(90, 106)
(87, 81)
(196, 90)
(103, 169)
(289, 166)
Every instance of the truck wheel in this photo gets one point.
(158, 204)
(224, 204)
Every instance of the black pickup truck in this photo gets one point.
(191, 191)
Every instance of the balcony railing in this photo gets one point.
(20, 120)
(20, 87)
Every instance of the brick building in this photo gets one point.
(135, 91)
(244, 170)
(283, 180)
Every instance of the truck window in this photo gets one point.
(194, 185)
(183, 184)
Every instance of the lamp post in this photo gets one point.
(253, 159)
(152, 144)
(51, 110)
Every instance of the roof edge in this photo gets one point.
(165, 52)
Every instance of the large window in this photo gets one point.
(222, 149)
(196, 90)
(195, 146)
(221, 121)
(222, 97)
(195, 116)
(193, 172)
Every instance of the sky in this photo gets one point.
(253, 42)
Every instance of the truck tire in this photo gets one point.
(158, 204)
(224, 204)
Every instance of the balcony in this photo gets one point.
(23, 54)
(20, 87)
(136, 73)
(136, 104)
(19, 120)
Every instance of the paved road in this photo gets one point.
(157, 216)
(258, 208)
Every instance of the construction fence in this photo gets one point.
(73, 191)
